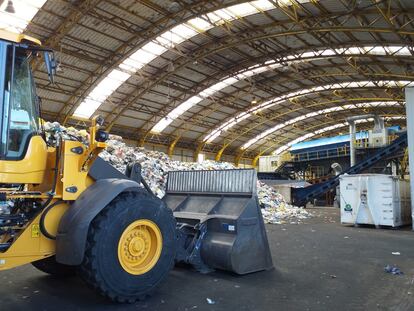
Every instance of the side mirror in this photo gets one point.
(99, 120)
(51, 64)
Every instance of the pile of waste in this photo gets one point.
(275, 210)
(156, 165)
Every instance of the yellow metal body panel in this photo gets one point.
(31, 245)
(16, 37)
(73, 176)
(37, 172)
(30, 170)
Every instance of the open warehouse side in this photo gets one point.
(211, 155)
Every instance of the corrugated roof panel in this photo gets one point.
(104, 42)
(183, 82)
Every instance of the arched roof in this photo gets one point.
(199, 75)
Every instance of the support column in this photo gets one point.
(409, 106)
(141, 141)
(172, 146)
(255, 160)
(352, 138)
(219, 154)
(238, 157)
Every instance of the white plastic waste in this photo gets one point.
(156, 165)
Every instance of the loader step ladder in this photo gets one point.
(303, 195)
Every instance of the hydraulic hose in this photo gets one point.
(42, 226)
(46, 207)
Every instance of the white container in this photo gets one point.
(285, 191)
(375, 199)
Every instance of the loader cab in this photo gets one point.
(19, 104)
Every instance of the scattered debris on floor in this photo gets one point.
(210, 301)
(156, 165)
(393, 270)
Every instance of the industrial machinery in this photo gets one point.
(301, 196)
(66, 211)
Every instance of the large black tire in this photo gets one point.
(101, 267)
(50, 266)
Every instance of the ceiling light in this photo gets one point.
(10, 7)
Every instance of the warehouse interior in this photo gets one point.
(191, 126)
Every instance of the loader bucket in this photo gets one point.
(219, 220)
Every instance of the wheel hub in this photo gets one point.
(140, 246)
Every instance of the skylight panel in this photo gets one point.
(212, 17)
(402, 51)
(295, 141)
(87, 108)
(328, 52)
(242, 9)
(143, 56)
(131, 65)
(100, 93)
(154, 48)
(326, 129)
(289, 122)
(179, 110)
(177, 35)
(184, 106)
(208, 92)
(330, 128)
(104, 89)
(224, 15)
(275, 101)
(18, 21)
(12, 23)
(200, 24)
(184, 31)
(169, 38)
(263, 5)
(161, 125)
(191, 28)
(24, 11)
(118, 75)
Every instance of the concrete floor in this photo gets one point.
(319, 265)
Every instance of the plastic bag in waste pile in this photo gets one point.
(156, 165)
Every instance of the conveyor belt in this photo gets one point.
(303, 195)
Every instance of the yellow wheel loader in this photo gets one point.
(67, 211)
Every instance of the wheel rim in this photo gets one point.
(140, 246)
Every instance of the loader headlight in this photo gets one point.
(101, 136)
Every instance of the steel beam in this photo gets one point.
(409, 97)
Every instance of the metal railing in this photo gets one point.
(321, 154)
(336, 152)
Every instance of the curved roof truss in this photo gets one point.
(317, 113)
(269, 65)
(165, 41)
(239, 77)
(279, 99)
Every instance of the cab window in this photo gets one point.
(21, 107)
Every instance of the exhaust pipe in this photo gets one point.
(378, 127)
